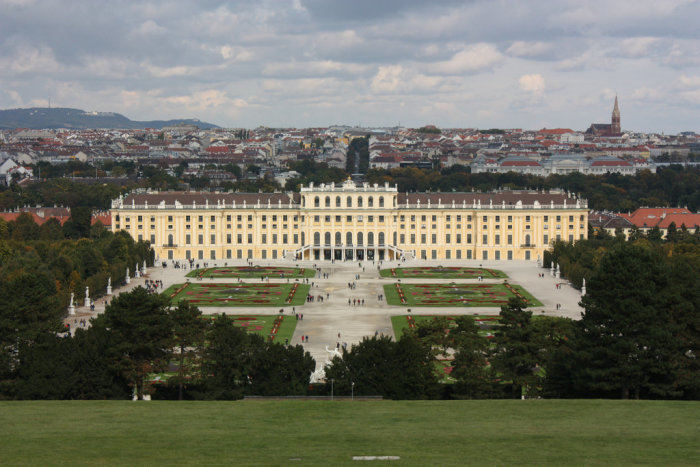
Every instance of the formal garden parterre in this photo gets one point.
(247, 272)
(448, 295)
(441, 272)
(239, 294)
(275, 328)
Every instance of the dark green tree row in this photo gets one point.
(670, 186)
(140, 336)
(316, 172)
(357, 157)
(40, 267)
(579, 260)
(640, 334)
(59, 192)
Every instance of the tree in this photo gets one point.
(515, 352)
(189, 330)
(470, 366)
(278, 370)
(684, 306)
(51, 230)
(24, 228)
(56, 367)
(626, 340)
(224, 363)
(78, 226)
(30, 309)
(379, 366)
(141, 334)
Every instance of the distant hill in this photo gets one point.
(42, 117)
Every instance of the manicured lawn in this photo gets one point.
(264, 325)
(239, 294)
(439, 272)
(464, 295)
(402, 322)
(271, 432)
(246, 272)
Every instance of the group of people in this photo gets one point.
(152, 286)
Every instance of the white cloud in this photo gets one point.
(638, 46)
(205, 100)
(648, 94)
(388, 79)
(150, 27)
(30, 59)
(168, 72)
(235, 54)
(528, 49)
(396, 79)
(313, 68)
(470, 59)
(689, 81)
(533, 84)
(587, 61)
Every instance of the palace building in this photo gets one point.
(351, 222)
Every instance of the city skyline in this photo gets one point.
(313, 63)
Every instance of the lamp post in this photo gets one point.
(331, 388)
(352, 391)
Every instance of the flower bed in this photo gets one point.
(440, 272)
(471, 295)
(240, 294)
(246, 272)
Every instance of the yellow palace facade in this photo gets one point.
(351, 222)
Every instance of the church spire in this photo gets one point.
(615, 127)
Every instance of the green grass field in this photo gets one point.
(440, 272)
(247, 272)
(204, 294)
(455, 295)
(511, 432)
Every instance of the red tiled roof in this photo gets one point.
(689, 220)
(523, 163)
(11, 216)
(105, 218)
(649, 217)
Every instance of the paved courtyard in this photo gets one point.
(323, 321)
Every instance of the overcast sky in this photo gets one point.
(301, 63)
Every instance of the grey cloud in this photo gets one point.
(371, 10)
(384, 57)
